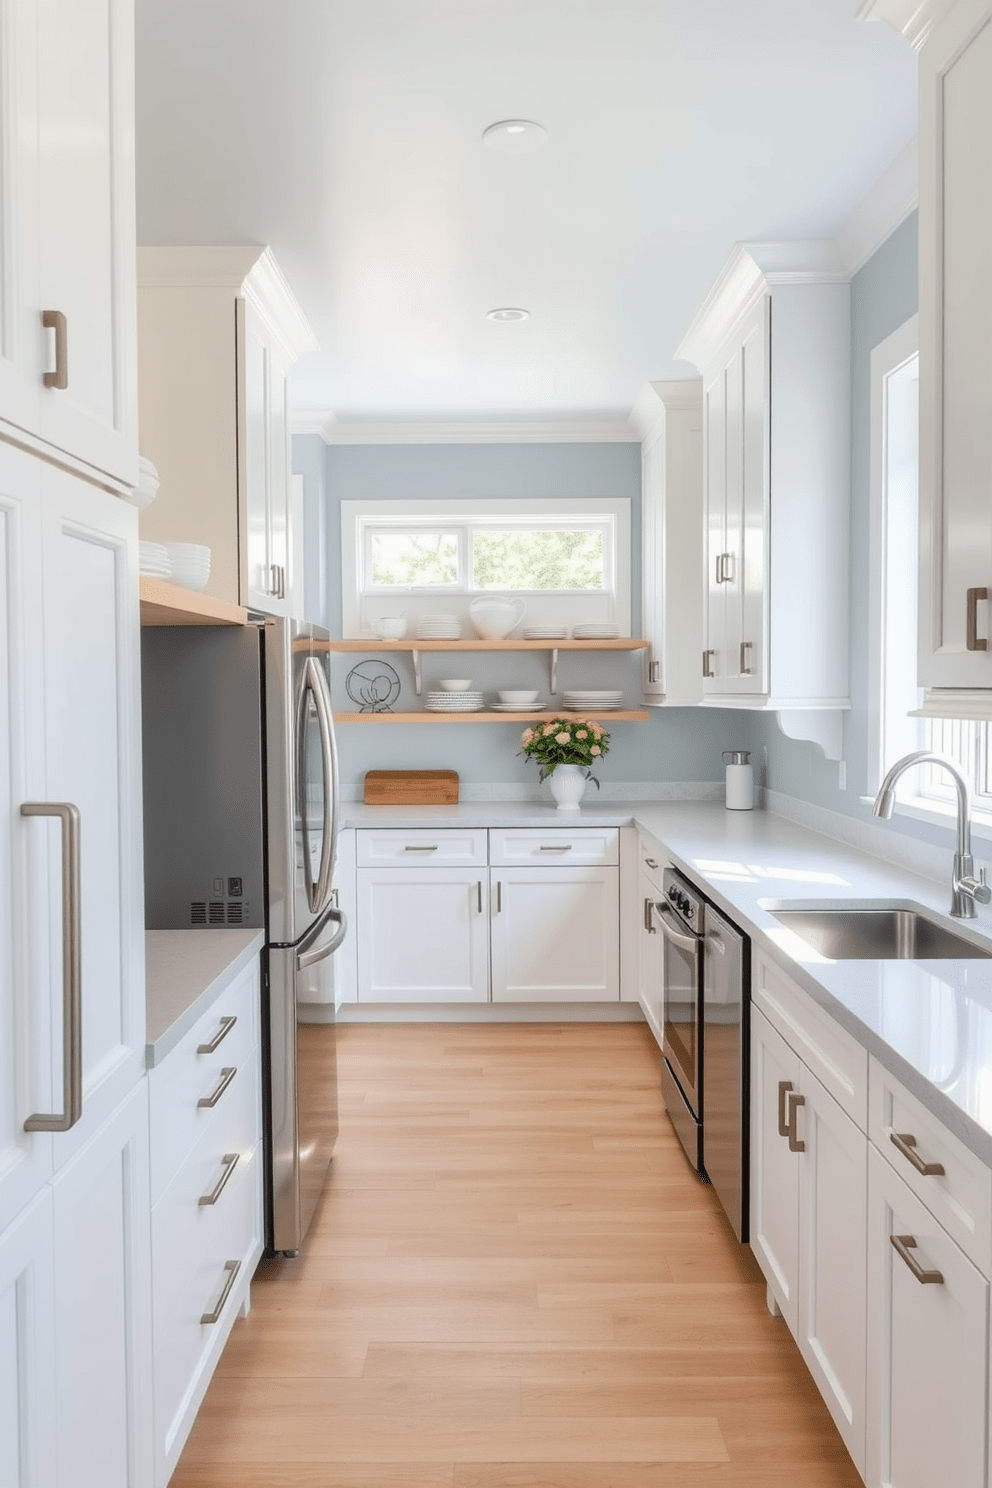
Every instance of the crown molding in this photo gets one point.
(476, 431)
(251, 272)
(656, 399)
(914, 19)
(750, 271)
(891, 200)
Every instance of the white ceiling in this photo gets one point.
(346, 134)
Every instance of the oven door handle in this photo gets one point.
(661, 913)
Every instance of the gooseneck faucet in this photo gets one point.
(965, 887)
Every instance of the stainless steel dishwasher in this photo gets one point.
(706, 970)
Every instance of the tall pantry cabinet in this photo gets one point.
(75, 1317)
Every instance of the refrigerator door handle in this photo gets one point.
(311, 958)
(315, 687)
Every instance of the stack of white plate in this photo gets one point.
(154, 560)
(190, 564)
(545, 633)
(439, 627)
(454, 702)
(537, 707)
(590, 701)
(595, 632)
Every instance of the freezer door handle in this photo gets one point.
(314, 687)
(321, 953)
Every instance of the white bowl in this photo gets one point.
(193, 552)
(517, 696)
(455, 684)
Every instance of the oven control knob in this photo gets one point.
(673, 894)
(688, 911)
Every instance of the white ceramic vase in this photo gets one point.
(568, 784)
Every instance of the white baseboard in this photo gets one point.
(491, 1012)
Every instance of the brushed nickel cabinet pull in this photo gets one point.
(745, 648)
(727, 571)
(72, 970)
(273, 586)
(795, 1101)
(226, 1076)
(719, 568)
(654, 671)
(706, 663)
(973, 643)
(557, 847)
(905, 1143)
(226, 1024)
(499, 896)
(479, 887)
(784, 1086)
(651, 862)
(54, 320)
(415, 848)
(231, 1268)
(649, 917)
(903, 1244)
(231, 1160)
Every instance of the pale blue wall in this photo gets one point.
(674, 745)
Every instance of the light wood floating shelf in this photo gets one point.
(374, 644)
(623, 716)
(163, 603)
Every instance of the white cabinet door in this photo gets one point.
(928, 1353)
(775, 1072)
(27, 1350)
(103, 1306)
(264, 442)
(650, 965)
(714, 662)
(955, 310)
(833, 1182)
(92, 754)
(423, 934)
(87, 229)
(20, 327)
(556, 934)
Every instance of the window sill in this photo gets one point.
(939, 814)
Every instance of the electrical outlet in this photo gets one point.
(842, 775)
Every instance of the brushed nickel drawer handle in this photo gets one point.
(54, 320)
(564, 847)
(231, 1160)
(795, 1101)
(651, 862)
(226, 1024)
(903, 1244)
(72, 970)
(226, 1076)
(784, 1087)
(232, 1268)
(905, 1143)
(416, 848)
(973, 643)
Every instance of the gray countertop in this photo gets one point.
(185, 971)
(929, 1022)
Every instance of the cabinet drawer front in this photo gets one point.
(960, 1198)
(836, 1059)
(555, 847)
(186, 1077)
(420, 849)
(927, 1346)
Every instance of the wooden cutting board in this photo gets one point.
(411, 787)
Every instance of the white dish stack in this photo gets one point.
(190, 564)
(545, 633)
(454, 702)
(439, 627)
(593, 702)
(154, 561)
(595, 632)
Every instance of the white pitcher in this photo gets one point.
(495, 615)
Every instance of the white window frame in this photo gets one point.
(927, 794)
(360, 603)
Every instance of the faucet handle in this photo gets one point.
(983, 893)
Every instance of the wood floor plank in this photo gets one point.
(513, 1281)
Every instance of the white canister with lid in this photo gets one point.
(740, 779)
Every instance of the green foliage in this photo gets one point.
(565, 741)
(414, 559)
(537, 560)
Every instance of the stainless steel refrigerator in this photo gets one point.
(240, 812)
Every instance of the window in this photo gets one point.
(929, 791)
(568, 560)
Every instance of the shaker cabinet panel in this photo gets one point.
(556, 934)
(423, 935)
(774, 1170)
(27, 1349)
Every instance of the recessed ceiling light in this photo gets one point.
(515, 136)
(508, 312)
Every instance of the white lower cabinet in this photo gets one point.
(27, 1349)
(650, 943)
(808, 1177)
(928, 1351)
(556, 934)
(423, 934)
(206, 1224)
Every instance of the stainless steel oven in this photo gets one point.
(704, 1074)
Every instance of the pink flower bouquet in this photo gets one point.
(566, 741)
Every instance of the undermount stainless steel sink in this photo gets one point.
(889, 932)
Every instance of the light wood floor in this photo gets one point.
(513, 1281)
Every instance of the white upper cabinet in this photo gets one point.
(669, 416)
(67, 256)
(218, 331)
(772, 342)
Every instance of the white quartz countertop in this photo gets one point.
(929, 1022)
(186, 971)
